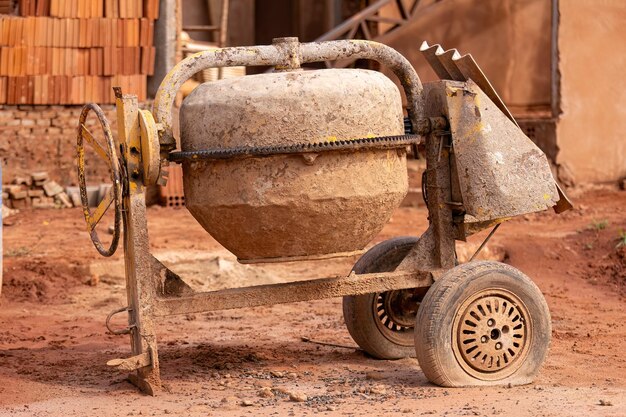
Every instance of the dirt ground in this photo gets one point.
(58, 291)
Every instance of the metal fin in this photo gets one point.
(430, 53)
(471, 71)
(446, 58)
(450, 65)
(564, 202)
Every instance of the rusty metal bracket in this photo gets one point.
(142, 276)
(125, 330)
(150, 157)
(482, 245)
(133, 363)
(294, 291)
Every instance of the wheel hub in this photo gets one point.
(396, 312)
(492, 334)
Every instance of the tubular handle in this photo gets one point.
(284, 54)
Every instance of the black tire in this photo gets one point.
(471, 310)
(359, 311)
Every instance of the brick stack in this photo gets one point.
(6, 6)
(173, 194)
(74, 51)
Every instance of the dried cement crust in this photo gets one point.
(285, 205)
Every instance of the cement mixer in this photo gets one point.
(296, 165)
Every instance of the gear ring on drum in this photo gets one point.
(114, 195)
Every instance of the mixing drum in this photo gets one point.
(294, 205)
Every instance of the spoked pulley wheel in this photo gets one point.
(108, 153)
(482, 323)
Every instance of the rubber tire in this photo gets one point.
(435, 317)
(357, 309)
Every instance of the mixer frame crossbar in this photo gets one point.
(289, 292)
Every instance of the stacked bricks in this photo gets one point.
(173, 194)
(74, 51)
(6, 6)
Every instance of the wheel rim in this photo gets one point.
(394, 313)
(491, 334)
(114, 196)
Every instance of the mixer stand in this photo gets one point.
(516, 187)
(154, 291)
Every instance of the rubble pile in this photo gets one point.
(36, 191)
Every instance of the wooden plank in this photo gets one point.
(24, 90)
(47, 31)
(100, 61)
(10, 65)
(48, 64)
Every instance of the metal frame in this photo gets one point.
(365, 24)
(155, 291)
(372, 14)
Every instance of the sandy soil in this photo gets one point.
(57, 292)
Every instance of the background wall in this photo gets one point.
(592, 60)
(510, 40)
(43, 138)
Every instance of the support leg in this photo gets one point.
(143, 275)
(438, 187)
(142, 284)
(436, 247)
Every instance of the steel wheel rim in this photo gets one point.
(391, 323)
(115, 193)
(491, 334)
